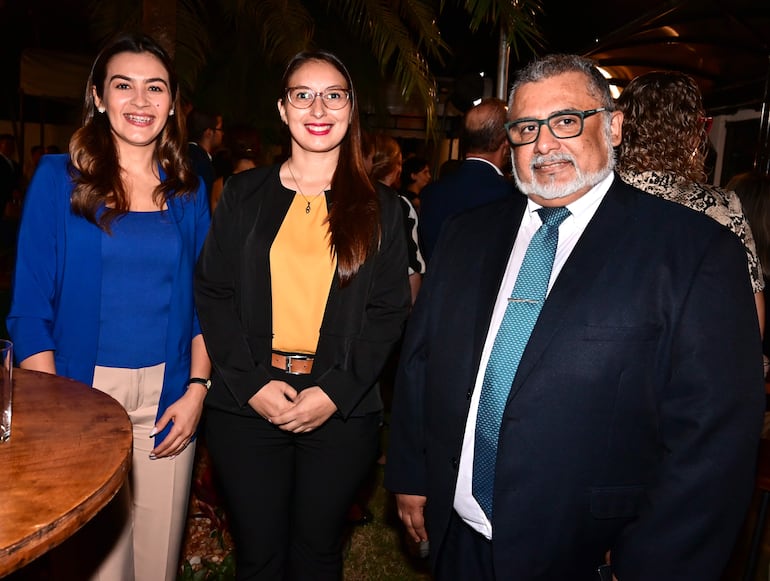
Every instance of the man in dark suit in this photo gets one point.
(479, 180)
(206, 132)
(628, 432)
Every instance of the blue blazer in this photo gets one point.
(633, 420)
(57, 282)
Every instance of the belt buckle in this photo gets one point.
(290, 358)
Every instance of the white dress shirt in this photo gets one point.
(570, 231)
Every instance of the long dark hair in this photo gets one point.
(354, 215)
(96, 168)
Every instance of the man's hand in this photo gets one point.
(410, 511)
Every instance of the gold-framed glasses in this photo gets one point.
(304, 97)
(562, 124)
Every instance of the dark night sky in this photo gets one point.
(568, 26)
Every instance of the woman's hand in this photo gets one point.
(312, 407)
(273, 399)
(186, 413)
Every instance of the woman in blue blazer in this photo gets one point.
(103, 294)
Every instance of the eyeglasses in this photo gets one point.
(304, 97)
(563, 125)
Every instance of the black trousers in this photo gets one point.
(287, 495)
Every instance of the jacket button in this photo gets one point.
(455, 463)
(469, 394)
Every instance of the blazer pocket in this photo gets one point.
(616, 501)
(635, 334)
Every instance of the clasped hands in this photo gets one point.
(290, 410)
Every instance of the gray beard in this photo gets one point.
(553, 191)
(582, 180)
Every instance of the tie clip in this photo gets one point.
(515, 300)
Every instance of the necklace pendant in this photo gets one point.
(307, 208)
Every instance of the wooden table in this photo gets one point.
(69, 454)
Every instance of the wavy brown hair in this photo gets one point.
(663, 126)
(96, 170)
(354, 215)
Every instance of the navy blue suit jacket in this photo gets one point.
(201, 165)
(633, 421)
(473, 184)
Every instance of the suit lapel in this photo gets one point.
(589, 256)
(494, 255)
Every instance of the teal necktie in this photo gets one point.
(521, 314)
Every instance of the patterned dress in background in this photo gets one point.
(721, 205)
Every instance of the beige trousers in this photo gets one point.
(138, 536)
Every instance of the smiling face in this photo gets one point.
(136, 98)
(555, 172)
(317, 128)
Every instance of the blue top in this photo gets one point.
(56, 295)
(139, 260)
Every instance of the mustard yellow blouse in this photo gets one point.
(302, 267)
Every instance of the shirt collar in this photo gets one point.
(585, 202)
(486, 161)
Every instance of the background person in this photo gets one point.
(302, 292)
(663, 152)
(242, 154)
(477, 181)
(386, 168)
(415, 175)
(103, 294)
(205, 132)
(753, 189)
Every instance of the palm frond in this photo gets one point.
(193, 42)
(517, 18)
(106, 18)
(284, 27)
(402, 34)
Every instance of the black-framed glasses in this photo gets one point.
(304, 97)
(563, 125)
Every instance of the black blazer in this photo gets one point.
(633, 420)
(361, 324)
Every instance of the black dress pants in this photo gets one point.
(287, 495)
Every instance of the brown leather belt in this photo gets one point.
(295, 364)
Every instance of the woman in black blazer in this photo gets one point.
(302, 292)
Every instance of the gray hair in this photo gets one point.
(558, 64)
